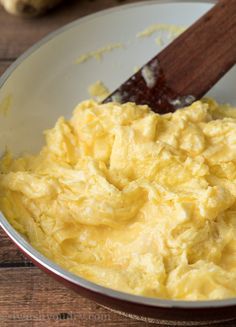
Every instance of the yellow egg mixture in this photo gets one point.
(132, 200)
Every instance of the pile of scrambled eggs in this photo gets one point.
(132, 200)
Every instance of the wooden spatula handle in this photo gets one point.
(189, 66)
(205, 52)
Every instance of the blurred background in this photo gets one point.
(24, 22)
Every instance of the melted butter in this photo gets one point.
(132, 200)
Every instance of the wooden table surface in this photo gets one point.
(28, 297)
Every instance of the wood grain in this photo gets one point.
(38, 299)
(10, 256)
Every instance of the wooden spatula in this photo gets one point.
(185, 70)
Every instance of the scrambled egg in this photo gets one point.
(133, 200)
(98, 54)
(98, 91)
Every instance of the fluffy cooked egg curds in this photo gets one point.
(133, 200)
